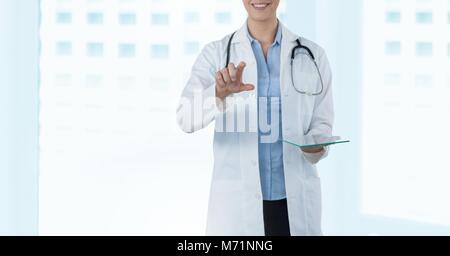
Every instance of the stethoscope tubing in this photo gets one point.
(294, 50)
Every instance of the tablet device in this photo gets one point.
(320, 143)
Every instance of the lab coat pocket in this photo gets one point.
(305, 76)
(310, 169)
(305, 82)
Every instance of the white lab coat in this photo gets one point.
(235, 206)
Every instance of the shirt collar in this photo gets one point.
(277, 37)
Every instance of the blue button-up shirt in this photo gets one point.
(269, 113)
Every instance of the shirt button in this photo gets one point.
(253, 162)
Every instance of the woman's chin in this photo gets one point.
(260, 17)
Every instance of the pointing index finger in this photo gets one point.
(240, 70)
(233, 72)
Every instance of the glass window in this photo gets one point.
(392, 79)
(424, 49)
(160, 18)
(403, 112)
(127, 18)
(393, 48)
(64, 48)
(223, 18)
(93, 80)
(160, 51)
(95, 18)
(393, 17)
(191, 47)
(424, 17)
(191, 17)
(127, 50)
(64, 17)
(63, 80)
(424, 80)
(94, 49)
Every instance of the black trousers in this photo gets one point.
(276, 220)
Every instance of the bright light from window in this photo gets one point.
(405, 111)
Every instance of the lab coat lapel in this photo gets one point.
(287, 44)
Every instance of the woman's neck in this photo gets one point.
(263, 31)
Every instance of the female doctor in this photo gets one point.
(262, 85)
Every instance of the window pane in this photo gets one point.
(94, 18)
(127, 18)
(160, 51)
(63, 48)
(64, 17)
(191, 17)
(393, 48)
(160, 19)
(424, 17)
(127, 50)
(393, 17)
(95, 49)
(191, 47)
(424, 49)
(223, 17)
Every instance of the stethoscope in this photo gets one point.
(299, 46)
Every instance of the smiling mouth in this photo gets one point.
(260, 6)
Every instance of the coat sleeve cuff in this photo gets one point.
(224, 105)
(314, 158)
